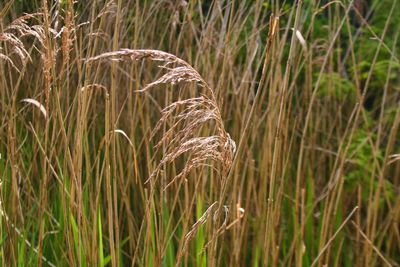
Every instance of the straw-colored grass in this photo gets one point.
(199, 133)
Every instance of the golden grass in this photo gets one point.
(116, 156)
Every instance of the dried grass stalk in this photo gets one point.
(36, 104)
(12, 34)
(394, 158)
(195, 227)
(189, 115)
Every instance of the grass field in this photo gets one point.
(199, 133)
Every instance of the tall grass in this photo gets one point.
(199, 133)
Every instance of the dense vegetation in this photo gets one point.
(199, 133)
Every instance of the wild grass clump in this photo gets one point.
(115, 156)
